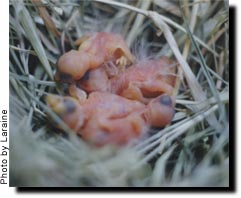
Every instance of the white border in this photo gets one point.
(4, 79)
(4, 56)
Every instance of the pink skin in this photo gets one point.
(143, 81)
(123, 103)
(94, 50)
(106, 118)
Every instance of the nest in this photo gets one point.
(191, 151)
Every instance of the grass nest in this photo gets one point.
(192, 151)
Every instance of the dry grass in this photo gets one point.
(192, 151)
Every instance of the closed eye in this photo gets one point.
(69, 106)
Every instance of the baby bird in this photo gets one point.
(116, 103)
(94, 50)
(106, 118)
(145, 80)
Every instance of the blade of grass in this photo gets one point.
(211, 71)
(178, 131)
(19, 92)
(207, 75)
(16, 61)
(155, 139)
(30, 30)
(46, 17)
(158, 20)
(32, 80)
(195, 87)
(54, 116)
(167, 20)
(158, 174)
(23, 50)
(192, 26)
(135, 27)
